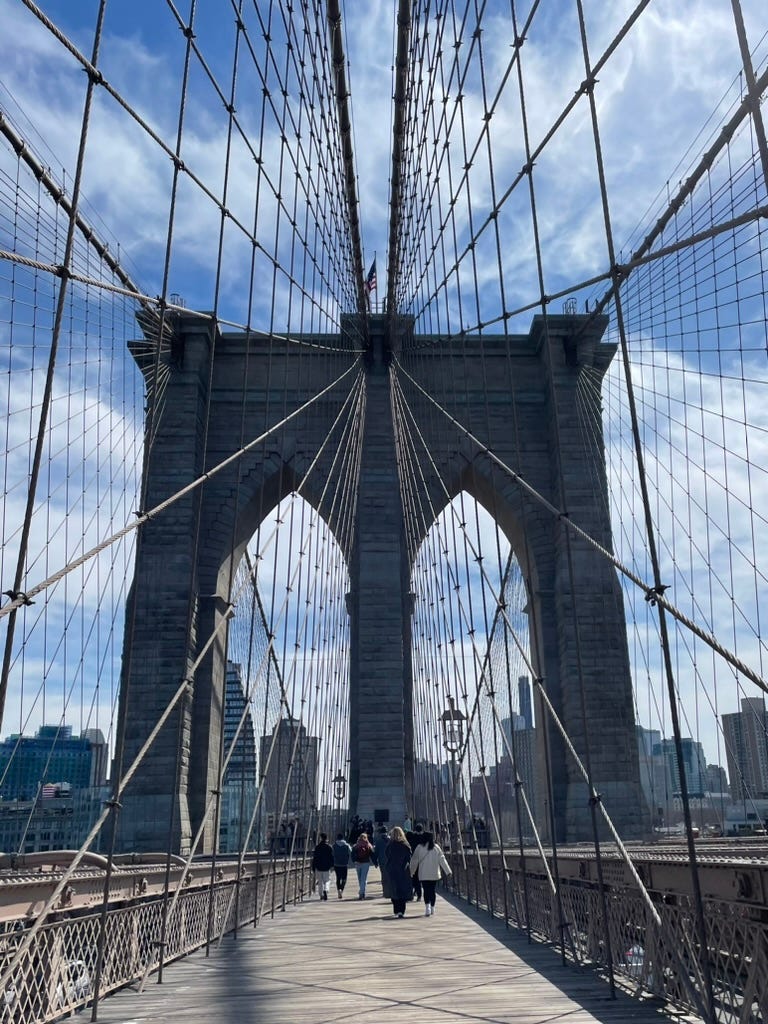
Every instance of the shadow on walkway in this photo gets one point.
(327, 962)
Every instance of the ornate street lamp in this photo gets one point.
(452, 722)
(339, 792)
(339, 786)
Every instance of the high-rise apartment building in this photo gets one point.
(292, 770)
(694, 763)
(746, 744)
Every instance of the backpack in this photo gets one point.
(360, 854)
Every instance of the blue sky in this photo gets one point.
(659, 100)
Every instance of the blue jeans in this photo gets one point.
(362, 874)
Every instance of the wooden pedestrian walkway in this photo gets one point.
(337, 961)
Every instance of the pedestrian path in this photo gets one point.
(337, 961)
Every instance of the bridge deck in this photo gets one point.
(341, 960)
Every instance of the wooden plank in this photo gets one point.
(328, 961)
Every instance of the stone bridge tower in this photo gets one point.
(164, 628)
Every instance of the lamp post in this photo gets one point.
(339, 792)
(452, 722)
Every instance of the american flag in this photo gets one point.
(48, 792)
(370, 281)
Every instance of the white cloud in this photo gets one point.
(666, 77)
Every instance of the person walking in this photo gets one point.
(361, 856)
(322, 862)
(342, 852)
(380, 844)
(396, 859)
(415, 838)
(429, 860)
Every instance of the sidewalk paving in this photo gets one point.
(339, 960)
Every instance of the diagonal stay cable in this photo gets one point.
(144, 517)
(539, 683)
(47, 397)
(653, 594)
(123, 783)
(481, 662)
(353, 417)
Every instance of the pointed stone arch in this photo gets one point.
(178, 594)
(222, 391)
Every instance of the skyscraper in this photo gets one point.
(524, 697)
(746, 742)
(239, 789)
(290, 775)
(694, 763)
(242, 763)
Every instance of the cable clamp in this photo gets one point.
(653, 594)
(19, 595)
(595, 799)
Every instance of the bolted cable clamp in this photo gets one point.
(653, 594)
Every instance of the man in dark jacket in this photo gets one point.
(380, 844)
(322, 862)
(416, 838)
(341, 854)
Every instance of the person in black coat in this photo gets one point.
(397, 857)
(322, 862)
(380, 844)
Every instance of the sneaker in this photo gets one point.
(433, 908)
(340, 896)
(401, 915)
(427, 911)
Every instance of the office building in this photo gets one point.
(52, 756)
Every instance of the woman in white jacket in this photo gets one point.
(428, 859)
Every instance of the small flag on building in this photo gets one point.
(48, 792)
(370, 281)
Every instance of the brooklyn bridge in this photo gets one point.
(384, 450)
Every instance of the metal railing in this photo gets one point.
(55, 975)
(645, 959)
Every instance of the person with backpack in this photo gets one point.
(342, 852)
(428, 860)
(361, 856)
(322, 862)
